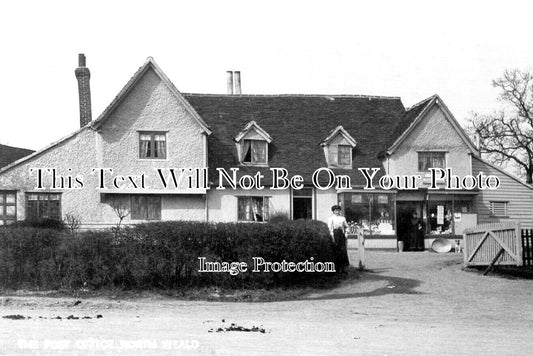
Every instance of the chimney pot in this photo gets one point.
(237, 80)
(81, 60)
(229, 75)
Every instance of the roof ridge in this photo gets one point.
(423, 101)
(295, 95)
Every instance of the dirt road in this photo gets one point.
(408, 304)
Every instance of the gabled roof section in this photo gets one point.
(10, 154)
(149, 64)
(252, 125)
(336, 131)
(415, 114)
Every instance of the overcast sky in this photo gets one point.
(409, 49)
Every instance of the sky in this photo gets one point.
(407, 49)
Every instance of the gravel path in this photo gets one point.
(406, 304)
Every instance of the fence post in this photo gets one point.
(519, 249)
(361, 248)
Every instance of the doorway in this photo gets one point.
(302, 204)
(404, 209)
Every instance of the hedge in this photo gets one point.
(159, 255)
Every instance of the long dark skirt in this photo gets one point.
(341, 252)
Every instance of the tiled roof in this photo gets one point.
(10, 154)
(297, 125)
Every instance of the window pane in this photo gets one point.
(10, 198)
(160, 151)
(257, 208)
(152, 145)
(247, 151)
(244, 212)
(10, 211)
(333, 154)
(42, 206)
(265, 209)
(252, 208)
(143, 149)
(427, 160)
(258, 152)
(1, 198)
(344, 154)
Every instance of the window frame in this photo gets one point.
(152, 141)
(494, 212)
(253, 142)
(430, 153)
(4, 218)
(38, 215)
(136, 214)
(349, 149)
(334, 155)
(265, 203)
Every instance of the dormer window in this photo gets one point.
(338, 148)
(252, 145)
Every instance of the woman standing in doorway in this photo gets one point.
(337, 227)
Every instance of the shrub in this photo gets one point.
(27, 256)
(41, 224)
(278, 218)
(160, 254)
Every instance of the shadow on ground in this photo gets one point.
(393, 285)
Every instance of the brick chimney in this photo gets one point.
(84, 89)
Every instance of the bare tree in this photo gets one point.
(507, 135)
(121, 210)
(73, 222)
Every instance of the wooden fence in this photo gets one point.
(486, 244)
(527, 247)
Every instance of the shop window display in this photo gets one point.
(443, 212)
(373, 213)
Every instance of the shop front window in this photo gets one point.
(373, 213)
(444, 212)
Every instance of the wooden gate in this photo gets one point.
(487, 244)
